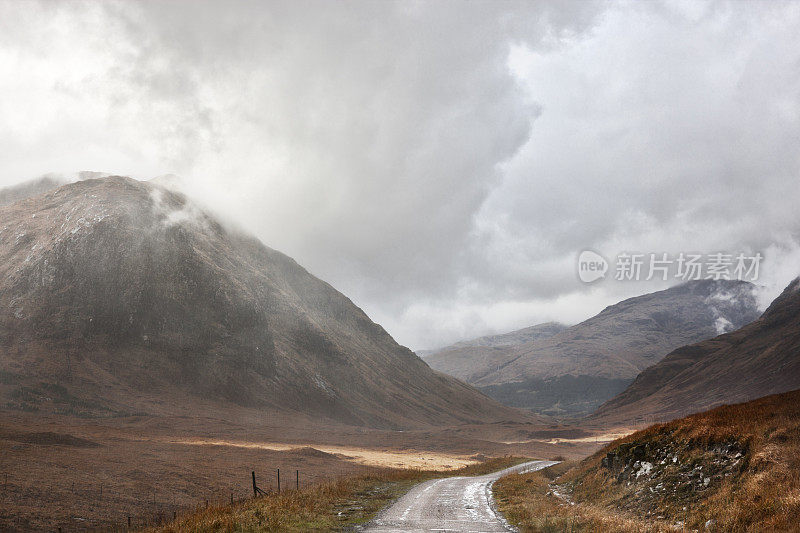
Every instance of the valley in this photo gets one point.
(461, 266)
(93, 473)
(218, 358)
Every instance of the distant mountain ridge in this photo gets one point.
(759, 359)
(42, 184)
(120, 296)
(520, 336)
(460, 359)
(15, 193)
(575, 370)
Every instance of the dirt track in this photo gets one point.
(450, 504)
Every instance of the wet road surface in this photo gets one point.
(460, 504)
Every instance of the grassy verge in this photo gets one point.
(330, 506)
(529, 503)
(734, 468)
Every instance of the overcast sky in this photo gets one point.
(441, 163)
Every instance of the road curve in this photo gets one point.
(449, 504)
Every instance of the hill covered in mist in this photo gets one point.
(120, 296)
(575, 370)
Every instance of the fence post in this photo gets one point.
(255, 489)
(279, 481)
(297, 479)
(129, 522)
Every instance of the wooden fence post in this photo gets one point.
(297, 479)
(255, 489)
(279, 481)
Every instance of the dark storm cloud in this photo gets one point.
(442, 163)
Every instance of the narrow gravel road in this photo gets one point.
(450, 504)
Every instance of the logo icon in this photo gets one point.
(591, 266)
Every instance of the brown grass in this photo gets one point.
(331, 505)
(762, 493)
(148, 467)
(527, 501)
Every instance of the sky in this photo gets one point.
(443, 164)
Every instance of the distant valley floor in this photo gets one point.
(79, 473)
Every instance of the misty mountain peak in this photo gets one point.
(574, 370)
(132, 290)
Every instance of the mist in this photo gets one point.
(442, 164)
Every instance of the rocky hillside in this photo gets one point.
(759, 359)
(120, 296)
(576, 370)
(730, 469)
(463, 359)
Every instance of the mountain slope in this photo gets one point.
(120, 296)
(15, 193)
(463, 359)
(576, 370)
(759, 359)
(41, 185)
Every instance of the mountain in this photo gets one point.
(573, 372)
(463, 359)
(15, 193)
(759, 359)
(119, 296)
